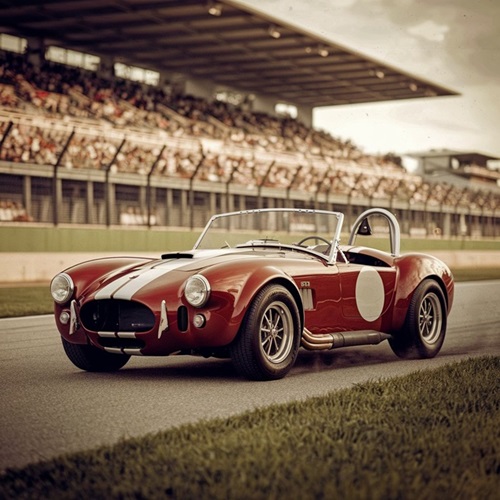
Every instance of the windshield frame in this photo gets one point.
(331, 258)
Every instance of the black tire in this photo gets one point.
(425, 327)
(90, 358)
(269, 338)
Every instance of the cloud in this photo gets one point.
(430, 30)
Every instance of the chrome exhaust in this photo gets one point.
(341, 339)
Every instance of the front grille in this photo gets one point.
(112, 315)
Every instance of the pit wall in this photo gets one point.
(32, 254)
(40, 267)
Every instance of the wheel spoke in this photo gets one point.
(429, 319)
(276, 332)
(267, 344)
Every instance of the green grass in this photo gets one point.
(389, 439)
(25, 301)
(34, 300)
(475, 273)
(39, 238)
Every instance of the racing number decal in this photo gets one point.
(370, 294)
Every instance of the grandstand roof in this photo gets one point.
(233, 46)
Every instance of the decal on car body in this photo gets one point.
(370, 294)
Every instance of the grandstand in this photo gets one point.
(85, 146)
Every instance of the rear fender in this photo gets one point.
(413, 269)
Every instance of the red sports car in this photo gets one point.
(257, 286)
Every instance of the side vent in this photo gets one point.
(307, 298)
(182, 318)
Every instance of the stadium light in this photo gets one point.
(323, 51)
(214, 8)
(274, 32)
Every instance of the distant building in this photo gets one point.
(458, 167)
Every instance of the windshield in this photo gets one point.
(312, 229)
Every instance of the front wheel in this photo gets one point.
(269, 339)
(425, 327)
(90, 358)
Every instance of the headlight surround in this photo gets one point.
(62, 288)
(197, 290)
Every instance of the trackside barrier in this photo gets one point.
(40, 267)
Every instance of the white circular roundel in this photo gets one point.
(369, 294)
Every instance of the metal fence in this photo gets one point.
(112, 200)
(78, 173)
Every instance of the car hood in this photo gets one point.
(172, 270)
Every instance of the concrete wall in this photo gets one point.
(40, 267)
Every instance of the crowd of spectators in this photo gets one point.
(13, 211)
(59, 90)
(61, 115)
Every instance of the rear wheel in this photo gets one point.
(90, 358)
(269, 339)
(425, 325)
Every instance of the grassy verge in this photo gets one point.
(25, 301)
(474, 273)
(396, 438)
(33, 300)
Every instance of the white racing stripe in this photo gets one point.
(127, 286)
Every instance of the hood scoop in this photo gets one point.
(177, 255)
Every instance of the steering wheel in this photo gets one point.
(313, 237)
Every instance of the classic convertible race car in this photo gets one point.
(256, 287)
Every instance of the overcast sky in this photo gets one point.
(453, 43)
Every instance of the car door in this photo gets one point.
(367, 292)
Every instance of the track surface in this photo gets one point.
(48, 407)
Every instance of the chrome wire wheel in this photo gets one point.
(424, 330)
(430, 318)
(276, 332)
(268, 342)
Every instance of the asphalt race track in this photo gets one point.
(49, 407)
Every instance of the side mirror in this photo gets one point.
(365, 228)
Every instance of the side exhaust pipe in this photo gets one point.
(341, 339)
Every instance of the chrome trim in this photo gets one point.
(106, 334)
(133, 351)
(73, 318)
(316, 342)
(126, 335)
(119, 350)
(163, 319)
(120, 335)
(341, 339)
(113, 350)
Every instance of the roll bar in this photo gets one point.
(394, 231)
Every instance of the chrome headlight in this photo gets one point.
(197, 290)
(62, 288)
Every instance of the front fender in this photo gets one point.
(243, 282)
(87, 274)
